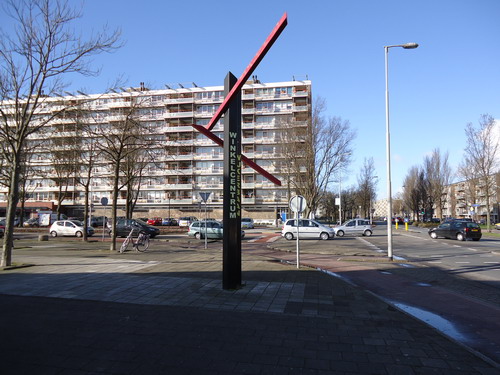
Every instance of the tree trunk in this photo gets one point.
(114, 208)
(13, 197)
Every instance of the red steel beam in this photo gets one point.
(280, 26)
(245, 160)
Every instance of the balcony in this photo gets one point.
(300, 108)
(179, 186)
(178, 114)
(175, 129)
(179, 100)
(300, 94)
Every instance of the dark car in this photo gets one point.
(98, 221)
(459, 229)
(1, 232)
(169, 222)
(125, 226)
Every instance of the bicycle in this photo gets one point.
(141, 244)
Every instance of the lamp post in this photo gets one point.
(345, 154)
(388, 144)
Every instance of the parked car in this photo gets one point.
(31, 223)
(169, 222)
(2, 232)
(247, 223)
(459, 229)
(69, 228)
(307, 229)
(354, 226)
(214, 229)
(3, 221)
(186, 221)
(98, 221)
(125, 226)
(497, 226)
(155, 221)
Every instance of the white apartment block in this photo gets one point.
(467, 199)
(185, 161)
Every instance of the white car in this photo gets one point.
(186, 221)
(69, 228)
(354, 226)
(247, 223)
(307, 229)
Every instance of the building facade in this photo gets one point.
(183, 161)
(467, 199)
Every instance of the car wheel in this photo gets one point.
(460, 237)
(53, 233)
(433, 235)
(289, 236)
(324, 236)
(197, 236)
(79, 234)
(367, 233)
(340, 233)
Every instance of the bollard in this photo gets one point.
(406, 226)
(397, 224)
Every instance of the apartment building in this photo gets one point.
(467, 199)
(184, 161)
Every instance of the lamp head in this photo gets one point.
(410, 45)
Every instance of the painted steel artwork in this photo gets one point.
(231, 109)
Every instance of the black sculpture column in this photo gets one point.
(231, 267)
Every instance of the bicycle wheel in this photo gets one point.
(124, 246)
(142, 243)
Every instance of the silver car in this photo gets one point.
(307, 229)
(69, 228)
(354, 226)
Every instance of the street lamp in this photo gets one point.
(388, 144)
(340, 188)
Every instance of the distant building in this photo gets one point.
(185, 162)
(467, 199)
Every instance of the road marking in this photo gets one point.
(471, 249)
(491, 262)
(256, 239)
(275, 238)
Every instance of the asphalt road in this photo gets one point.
(478, 260)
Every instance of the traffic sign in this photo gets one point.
(298, 203)
(204, 196)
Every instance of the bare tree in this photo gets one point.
(65, 154)
(413, 196)
(366, 186)
(312, 153)
(133, 167)
(120, 139)
(438, 175)
(482, 150)
(34, 59)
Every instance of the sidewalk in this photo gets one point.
(164, 312)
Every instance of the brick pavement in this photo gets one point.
(88, 311)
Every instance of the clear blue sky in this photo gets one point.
(435, 90)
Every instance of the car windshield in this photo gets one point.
(140, 221)
(78, 223)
